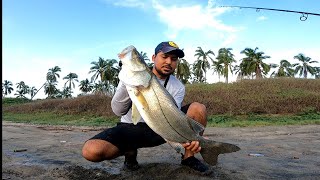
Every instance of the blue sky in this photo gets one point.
(40, 34)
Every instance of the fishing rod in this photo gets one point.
(303, 17)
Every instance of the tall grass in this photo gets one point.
(227, 104)
(96, 105)
(265, 96)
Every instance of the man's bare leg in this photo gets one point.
(197, 112)
(97, 150)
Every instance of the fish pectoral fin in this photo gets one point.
(139, 104)
(195, 125)
(135, 115)
(141, 100)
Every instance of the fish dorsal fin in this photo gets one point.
(195, 125)
(135, 115)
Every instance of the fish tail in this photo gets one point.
(210, 150)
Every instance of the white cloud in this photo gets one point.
(192, 17)
(229, 40)
(128, 3)
(195, 20)
(262, 18)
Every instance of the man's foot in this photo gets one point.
(132, 166)
(130, 162)
(195, 164)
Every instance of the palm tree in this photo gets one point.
(144, 56)
(85, 86)
(51, 77)
(20, 94)
(317, 74)
(110, 76)
(71, 77)
(197, 72)
(51, 89)
(182, 71)
(146, 59)
(203, 57)
(217, 68)
(304, 68)
(253, 63)
(108, 71)
(111, 70)
(53, 74)
(98, 88)
(285, 69)
(32, 91)
(98, 69)
(66, 92)
(7, 86)
(225, 58)
(23, 87)
(241, 71)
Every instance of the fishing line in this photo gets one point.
(303, 17)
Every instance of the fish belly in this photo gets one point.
(163, 115)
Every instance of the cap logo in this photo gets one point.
(172, 44)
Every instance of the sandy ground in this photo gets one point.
(54, 152)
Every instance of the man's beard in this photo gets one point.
(161, 73)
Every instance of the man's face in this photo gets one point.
(165, 64)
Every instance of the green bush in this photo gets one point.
(14, 101)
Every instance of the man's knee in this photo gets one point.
(90, 152)
(98, 150)
(198, 112)
(198, 108)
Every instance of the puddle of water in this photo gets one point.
(44, 162)
(31, 159)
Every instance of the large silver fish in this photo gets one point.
(156, 106)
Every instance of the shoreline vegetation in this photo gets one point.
(264, 102)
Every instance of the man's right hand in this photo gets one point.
(193, 146)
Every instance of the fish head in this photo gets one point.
(131, 59)
(134, 71)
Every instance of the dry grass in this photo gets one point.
(266, 96)
(98, 105)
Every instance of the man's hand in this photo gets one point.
(193, 146)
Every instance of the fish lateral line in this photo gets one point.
(161, 108)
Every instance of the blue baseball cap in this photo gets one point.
(169, 46)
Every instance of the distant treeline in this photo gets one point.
(104, 78)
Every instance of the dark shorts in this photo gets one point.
(127, 136)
